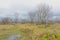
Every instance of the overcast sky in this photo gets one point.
(8, 7)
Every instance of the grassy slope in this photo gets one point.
(30, 32)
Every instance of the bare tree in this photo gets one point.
(16, 17)
(43, 13)
(6, 20)
(23, 21)
(32, 16)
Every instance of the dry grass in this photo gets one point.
(30, 32)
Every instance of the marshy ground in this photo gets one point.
(30, 32)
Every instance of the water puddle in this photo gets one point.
(14, 36)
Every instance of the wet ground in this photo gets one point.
(14, 36)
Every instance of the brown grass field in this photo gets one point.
(31, 32)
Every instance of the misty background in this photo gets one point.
(9, 7)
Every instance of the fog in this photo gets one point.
(9, 7)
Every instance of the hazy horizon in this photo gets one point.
(9, 7)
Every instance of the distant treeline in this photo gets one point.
(7, 20)
(39, 15)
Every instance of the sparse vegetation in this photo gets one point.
(29, 32)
